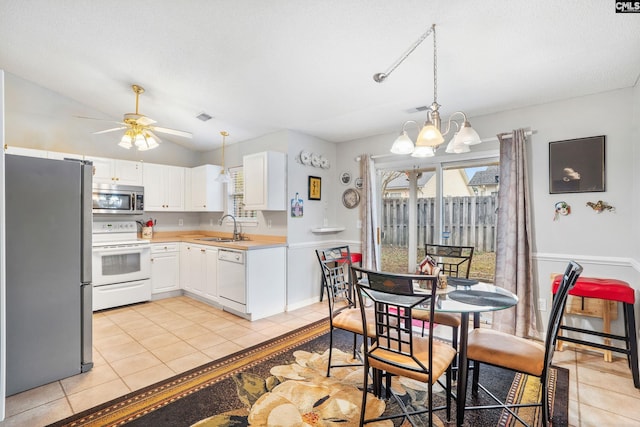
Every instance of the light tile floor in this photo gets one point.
(138, 345)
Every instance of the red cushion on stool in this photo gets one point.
(355, 257)
(607, 289)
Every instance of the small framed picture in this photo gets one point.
(577, 165)
(345, 178)
(315, 187)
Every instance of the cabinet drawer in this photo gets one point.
(160, 248)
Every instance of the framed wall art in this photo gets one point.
(315, 187)
(577, 165)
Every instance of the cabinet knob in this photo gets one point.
(202, 250)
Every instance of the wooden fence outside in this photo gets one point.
(469, 221)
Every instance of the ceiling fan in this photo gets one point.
(139, 128)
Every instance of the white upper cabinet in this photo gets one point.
(206, 193)
(265, 181)
(163, 187)
(115, 171)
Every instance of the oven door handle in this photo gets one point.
(109, 249)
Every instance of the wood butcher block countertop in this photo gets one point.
(254, 241)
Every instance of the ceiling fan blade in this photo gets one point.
(109, 130)
(100, 120)
(154, 136)
(145, 121)
(172, 132)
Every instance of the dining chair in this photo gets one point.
(343, 311)
(396, 350)
(519, 354)
(454, 261)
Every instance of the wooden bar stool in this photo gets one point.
(607, 290)
(355, 258)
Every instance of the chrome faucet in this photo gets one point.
(236, 235)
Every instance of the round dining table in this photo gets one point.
(467, 297)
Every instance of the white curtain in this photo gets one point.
(513, 246)
(369, 214)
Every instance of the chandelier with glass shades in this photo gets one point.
(431, 135)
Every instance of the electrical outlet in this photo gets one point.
(180, 222)
(359, 224)
(268, 223)
(211, 221)
(542, 304)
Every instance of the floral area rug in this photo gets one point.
(279, 383)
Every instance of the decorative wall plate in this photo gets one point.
(324, 163)
(345, 178)
(305, 157)
(358, 182)
(315, 160)
(350, 198)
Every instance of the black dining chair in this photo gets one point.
(519, 354)
(396, 349)
(343, 311)
(454, 261)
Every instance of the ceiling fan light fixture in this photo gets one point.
(126, 140)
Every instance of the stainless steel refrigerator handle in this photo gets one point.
(87, 215)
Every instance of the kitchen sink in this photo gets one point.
(216, 239)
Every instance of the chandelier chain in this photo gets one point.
(435, 66)
(382, 76)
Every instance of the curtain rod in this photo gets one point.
(507, 135)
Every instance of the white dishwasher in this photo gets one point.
(232, 288)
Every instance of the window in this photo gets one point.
(235, 203)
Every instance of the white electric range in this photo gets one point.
(121, 264)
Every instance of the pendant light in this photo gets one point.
(431, 135)
(224, 176)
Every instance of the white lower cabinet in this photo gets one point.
(198, 270)
(264, 284)
(165, 267)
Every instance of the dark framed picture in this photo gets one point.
(577, 165)
(315, 187)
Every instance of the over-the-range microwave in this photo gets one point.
(118, 199)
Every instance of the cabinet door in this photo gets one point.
(206, 193)
(254, 168)
(189, 269)
(199, 268)
(211, 275)
(265, 181)
(165, 272)
(174, 188)
(153, 187)
(128, 172)
(102, 170)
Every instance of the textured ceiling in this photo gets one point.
(260, 66)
